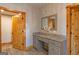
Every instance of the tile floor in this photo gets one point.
(12, 51)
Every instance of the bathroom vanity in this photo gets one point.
(53, 44)
(56, 43)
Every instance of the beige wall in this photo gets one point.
(6, 28)
(60, 10)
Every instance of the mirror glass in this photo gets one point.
(49, 23)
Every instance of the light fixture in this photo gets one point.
(2, 10)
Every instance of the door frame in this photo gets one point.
(12, 11)
(68, 28)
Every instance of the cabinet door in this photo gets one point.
(34, 41)
(56, 50)
(37, 44)
(53, 49)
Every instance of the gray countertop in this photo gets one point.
(55, 37)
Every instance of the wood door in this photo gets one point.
(18, 32)
(75, 30)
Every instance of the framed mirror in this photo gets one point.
(49, 23)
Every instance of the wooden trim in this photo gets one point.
(10, 10)
(73, 6)
(68, 26)
(0, 32)
(6, 14)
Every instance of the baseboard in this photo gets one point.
(29, 48)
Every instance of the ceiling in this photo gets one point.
(38, 5)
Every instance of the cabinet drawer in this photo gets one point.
(54, 43)
(43, 39)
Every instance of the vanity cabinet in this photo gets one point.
(54, 50)
(36, 43)
(56, 46)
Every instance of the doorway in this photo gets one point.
(12, 29)
(6, 31)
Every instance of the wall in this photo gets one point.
(32, 19)
(60, 10)
(6, 28)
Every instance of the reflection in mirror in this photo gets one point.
(44, 23)
(49, 23)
